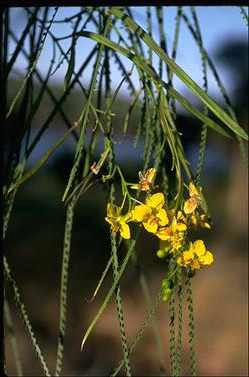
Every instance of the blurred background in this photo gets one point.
(35, 235)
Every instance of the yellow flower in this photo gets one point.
(168, 232)
(151, 214)
(118, 223)
(173, 237)
(145, 180)
(196, 256)
(205, 257)
(188, 256)
(165, 233)
(193, 202)
(198, 248)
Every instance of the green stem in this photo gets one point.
(191, 324)
(13, 340)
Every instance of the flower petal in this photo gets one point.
(150, 174)
(164, 233)
(180, 227)
(187, 256)
(190, 205)
(156, 200)
(174, 225)
(163, 217)
(139, 212)
(199, 248)
(125, 230)
(207, 259)
(195, 264)
(151, 225)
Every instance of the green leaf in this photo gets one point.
(43, 160)
(210, 103)
(187, 105)
(70, 68)
(109, 294)
(109, 263)
(145, 66)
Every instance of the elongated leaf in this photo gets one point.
(84, 116)
(109, 263)
(141, 63)
(43, 160)
(32, 68)
(109, 294)
(187, 105)
(211, 104)
(70, 68)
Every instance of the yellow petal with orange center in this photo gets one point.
(156, 200)
(144, 186)
(151, 224)
(188, 256)
(164, 233)
(139, 212)
(195, 264)
(190, 205)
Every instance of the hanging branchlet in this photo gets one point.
(24, 315)
(204, 129)
(172, 337)
(167, 203)
(180, 295)
(191, 324)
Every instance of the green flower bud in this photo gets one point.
(160, 253)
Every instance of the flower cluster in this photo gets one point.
(196, 256)
(170, 225)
